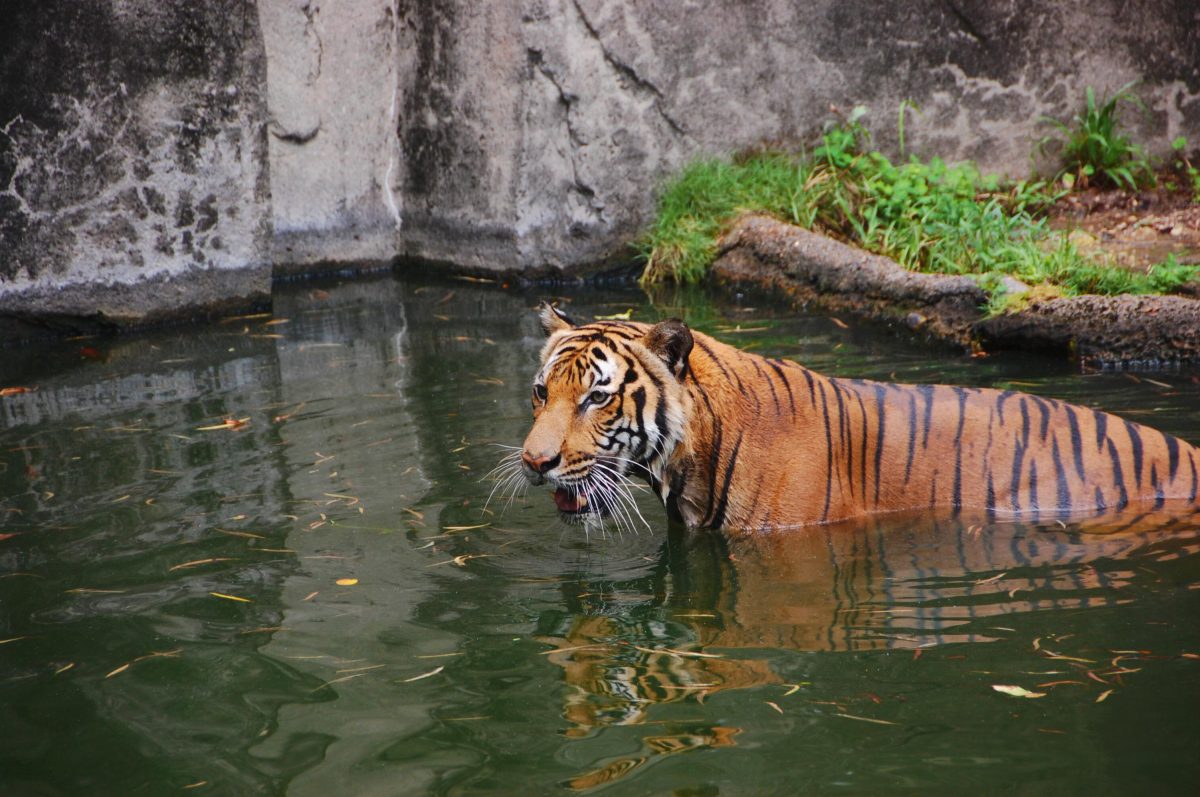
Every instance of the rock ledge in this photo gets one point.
(759, 251)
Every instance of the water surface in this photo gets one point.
(178, 510)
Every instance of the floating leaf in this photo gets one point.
(625, 316)
(346, 582)
(864, 719)
(198, 562)
(772, 705)
(429, 674)
(1016, 691)
(15, 391)
(229, 423)
(1104, 696)
(230, 597)
(339, 680)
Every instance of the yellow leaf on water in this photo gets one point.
(772, 705)
(863, 719)
(1104, 696)
(230, 597)
(346, 582)
(1016, 691)
(198, 562)
(118, 671)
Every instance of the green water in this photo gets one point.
(521, 656)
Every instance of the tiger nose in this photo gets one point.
(540, 464)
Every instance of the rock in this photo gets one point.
(335, 158)
(196, 141)
(1083, 241)
(814, 270)
(1103, 329)
(535, 134)
(133, 163)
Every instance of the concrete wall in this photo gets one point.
(158, 157)
(133, 168)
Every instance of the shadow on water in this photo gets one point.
(256, 559)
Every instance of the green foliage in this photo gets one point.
(928, 216)
(1092, 148)
(1185, 166)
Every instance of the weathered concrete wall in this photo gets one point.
(545, 126)
(133, 171)
(334, 154)
(160, 156)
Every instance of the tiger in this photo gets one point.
(732, 440)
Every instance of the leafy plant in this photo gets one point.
(1092, 147)
(1185, 166)
(928, 216)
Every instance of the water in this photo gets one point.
(171, 617)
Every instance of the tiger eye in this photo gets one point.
(540, 393)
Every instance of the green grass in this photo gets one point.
(928, 216)
(1184, 166)
(1093, 148)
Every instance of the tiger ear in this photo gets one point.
(553, 320)
(671, 341)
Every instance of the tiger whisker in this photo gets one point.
(506, 474)
(633, 462)
(619, 493)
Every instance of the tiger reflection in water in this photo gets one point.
(891, 582)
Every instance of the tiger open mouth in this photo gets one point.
(576, 504)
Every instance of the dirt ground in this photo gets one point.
(1137, 229)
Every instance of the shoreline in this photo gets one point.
(1146, 331)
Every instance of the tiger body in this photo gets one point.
(733, 440)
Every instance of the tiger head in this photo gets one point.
(608, 403)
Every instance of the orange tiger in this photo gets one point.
(733, 440)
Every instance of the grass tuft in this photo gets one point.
(1093, 149)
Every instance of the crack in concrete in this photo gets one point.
(568, 99)
(389, 191)
(310, 28)
(628, 72)
(965, 21)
